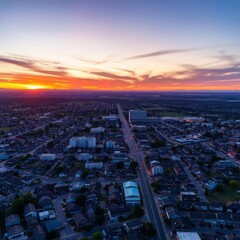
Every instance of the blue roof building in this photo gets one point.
(131, 193)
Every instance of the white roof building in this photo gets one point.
(188, 236)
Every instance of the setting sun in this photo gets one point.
(36, 87)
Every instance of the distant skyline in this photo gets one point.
(125, 45)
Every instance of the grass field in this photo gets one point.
(226, 196)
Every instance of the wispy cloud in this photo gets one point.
(32, 65)
(160, 53)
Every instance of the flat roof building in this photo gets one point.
(137, 115)
(188, 236)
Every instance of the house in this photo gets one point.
(234, 208)
(224, 218)
(215, 207)
(28, 180)
(96, 188)
(172, 213)
(200, 206)
(115, 198)
(30, 214)
(70, 198)
(80, 220)
(167, 201)
(115, 214)
(73, 208)
(134, 225)
(52, 225)
(185, 205)
(196, 217)
(188, 196)
(210, 218)
(46, 203)
(131, 192)
(39, 233)
(61, 188)
(90, 213)
(15, 232)
(112, 233)
(12, 220)
(236, 220)
(46, 215)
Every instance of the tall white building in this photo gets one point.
(137, 115)
(83, 142)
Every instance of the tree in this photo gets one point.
(148, 230)
(20, 201)
(100, 217)
(133, 165)
(97, 236)
(219, 188)
(59, 169)
(138, 211)
(81, 200)
(120, 165)
(85, 173)
(156, 186)
(233, 184)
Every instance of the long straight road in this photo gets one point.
(137, 155)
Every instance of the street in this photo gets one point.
(148, 198)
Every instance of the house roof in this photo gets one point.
(13, 230)
(79, 218)
(52, 224)
(29, 208)
(11, 218)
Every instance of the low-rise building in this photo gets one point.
(12, 220)
(131, 193)
(85, 156)
(94, 165)
(15, 232)
(97, 130)
(188, 236)
(48, 157)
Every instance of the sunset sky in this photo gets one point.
(120, 44)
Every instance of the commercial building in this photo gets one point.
(188, 236)
(131, 193)
(48, 157)
(137, 115)
(83, 142)
(94, 165)
(97, 130)
(110, 144)
(110, 118)
(84, 156)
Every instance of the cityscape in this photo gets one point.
(145, 166)
(120, 120)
